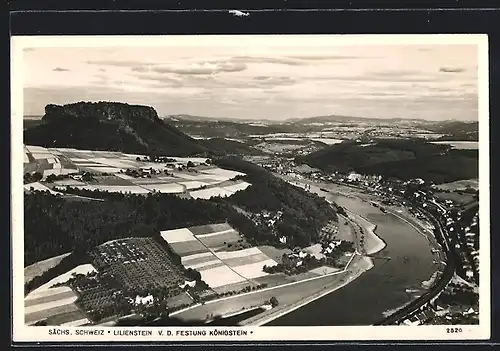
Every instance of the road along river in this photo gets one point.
(399, 270)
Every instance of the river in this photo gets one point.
(383, 288)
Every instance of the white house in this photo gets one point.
(353, 176)
(190, 283)
(139, 300)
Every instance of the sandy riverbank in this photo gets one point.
(372, 243)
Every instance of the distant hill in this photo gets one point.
(121, 127)
(403, 159)
(455, 130)
(226, 129)
(227, 147)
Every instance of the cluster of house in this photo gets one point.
(471, 242)
(429, 313)
(328, 249)
(268, 218)
(295, 258)
(149, 299)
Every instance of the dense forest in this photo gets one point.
(54, 225)
(403, 159)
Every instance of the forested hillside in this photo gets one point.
(403, 159)
(304, 213)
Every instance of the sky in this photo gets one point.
(434, 82)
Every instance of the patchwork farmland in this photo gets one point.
(219, 253)
(56, 304)
(126, 173)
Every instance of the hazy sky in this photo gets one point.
(414, 81)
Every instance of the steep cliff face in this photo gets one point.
(103, 111)
(111, 126)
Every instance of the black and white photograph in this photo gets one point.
(177, 185)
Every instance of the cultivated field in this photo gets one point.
(460, 184)
(127, 173)
(207, 249)
(37, 186)
(40, 267)
(56, 305)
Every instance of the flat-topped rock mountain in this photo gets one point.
(111, 126)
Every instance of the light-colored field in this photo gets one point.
(239, 261)
(221, 233)
(274, 253)
(219, 263)
(124, 176)
(34, 148)
(74, 160)
(455, 197)
(200, 256)
(171, 188)
(253, 270)
(104, 169)
(237, 187)
(328, 141)
(38, 268)
(222, 172)
(37, 186)
(195, 160)
(58, 171)
(201, 265)
(189, 261)
(115, 162)
(324, 270)
(82, 269)
(209, 193)
(41, 155)
(69, 182)
(177, 235)
(315, 250)
(219, 227)
(43, 314)
(56, 305)
(459, 184)
(51, 304)
(64, 293)
(220, 276)
(190, 185)
(225, 255)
